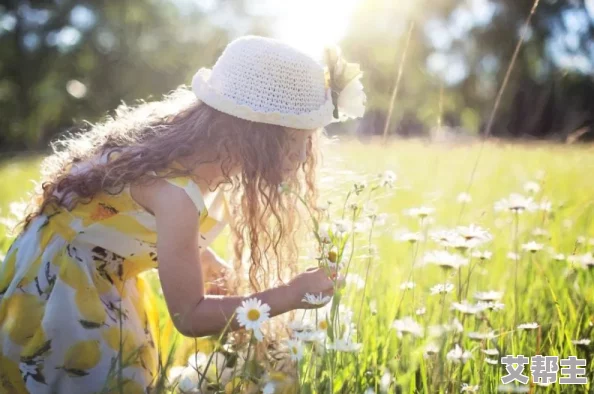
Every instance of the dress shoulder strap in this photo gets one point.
(192, 190)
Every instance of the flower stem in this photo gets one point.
(517, 258)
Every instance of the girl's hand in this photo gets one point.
(313, 281)
(215, 271)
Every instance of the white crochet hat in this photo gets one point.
(266, 80)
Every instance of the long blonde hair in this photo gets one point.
(154, 134)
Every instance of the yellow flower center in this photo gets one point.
(294, 350)
(323, 325)
(253, 314)
(333, 256)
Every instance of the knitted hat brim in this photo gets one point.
(320, 117)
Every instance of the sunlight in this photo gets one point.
(311, 24)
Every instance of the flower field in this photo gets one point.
(454, 257)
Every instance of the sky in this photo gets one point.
(311, 24)
(308, 24)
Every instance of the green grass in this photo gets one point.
(556, 294)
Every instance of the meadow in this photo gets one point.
(455, 256)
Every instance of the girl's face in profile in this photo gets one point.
(296, 149)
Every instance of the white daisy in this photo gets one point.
(342, 226)
(198, 360)
(491, 305)
(442, 288)
(490, 352)
(559, 257)
(295, 349)
(324, 233)
(528, 326)
(322, 324)
(388, 178)
(492, 361)
(299, 325)
(407, 285)
(353, 206)
(467, 308)
(379, 219)
(385, 382)
(313, 299)
(462, 244)
(344, 345)
(324, 206)
(455, 326)
(481, 336)
(439, 330)
(407, 325)
(373, 307)
(458, 355)
(531, 187)
(430, 349)
(466, 388)
(488, 296)
(310, 335)
(545, 206)
(474, 232)
(541, 232)
(516, 203)
(464, 198)
(484, 255)
(409, 237)
(174, 374)
(189, 380)
(581, 342)
(420, 212)
(359, 186)
(420, 311)
(251, 314)
(354, 279)
(532, 247)
(512, 388)
(513, 256)
(445, 259)
(442, 235)
(587, 260)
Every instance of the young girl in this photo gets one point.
(145, 190)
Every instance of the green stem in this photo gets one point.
(517, 258)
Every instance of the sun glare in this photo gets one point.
(311, 24)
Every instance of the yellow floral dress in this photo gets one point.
(73, 308)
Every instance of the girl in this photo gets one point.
(150, 183)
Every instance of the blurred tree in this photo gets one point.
(457, 59)
(64, 60)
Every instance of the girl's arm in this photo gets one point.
(181, 275)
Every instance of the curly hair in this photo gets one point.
(152, 135)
